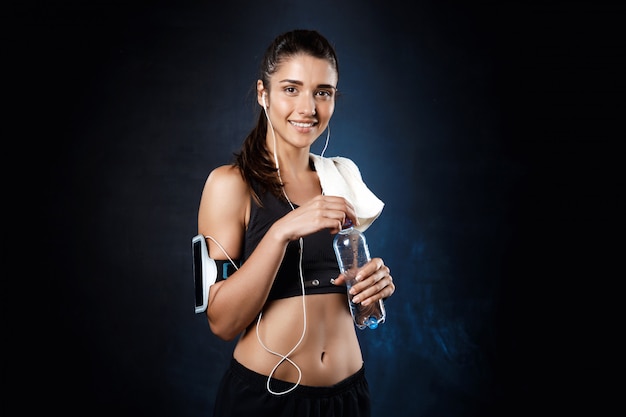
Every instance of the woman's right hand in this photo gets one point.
(321, 212)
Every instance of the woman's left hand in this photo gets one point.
(374, 282)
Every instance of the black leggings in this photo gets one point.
(243, 392)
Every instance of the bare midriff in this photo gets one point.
(329, 351)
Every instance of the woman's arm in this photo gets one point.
(224, 212)
(223, 215)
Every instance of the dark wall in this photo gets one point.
(454, 113)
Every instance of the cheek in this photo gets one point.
(280, 109)
(326, 110)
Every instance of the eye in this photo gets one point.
(290, 90)
(324, 93)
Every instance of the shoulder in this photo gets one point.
(225, 185)
(225, 177)
(225, 198)
(223, 210)
(226, 173)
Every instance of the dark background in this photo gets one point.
(488, 129)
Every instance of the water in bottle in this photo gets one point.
(352, 253)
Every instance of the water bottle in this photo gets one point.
(352, 253)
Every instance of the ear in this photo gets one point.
(260, 89)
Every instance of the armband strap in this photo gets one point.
(225, 268)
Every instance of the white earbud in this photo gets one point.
(263, 98)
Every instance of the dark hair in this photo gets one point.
(254, 159)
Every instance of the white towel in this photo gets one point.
(341, 177)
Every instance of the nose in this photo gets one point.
(306, 105)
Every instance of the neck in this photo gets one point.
(292, 162)
(294, 166)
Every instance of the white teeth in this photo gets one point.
(301, 124)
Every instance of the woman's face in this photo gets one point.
(301, 99)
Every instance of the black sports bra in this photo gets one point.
(319, 264)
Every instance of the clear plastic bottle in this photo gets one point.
(352, 253)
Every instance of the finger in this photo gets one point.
(374, 266)
(340, 280)
(374, 290)
(338, 204)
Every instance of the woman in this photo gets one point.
(297, 352)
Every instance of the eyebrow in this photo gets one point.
(301, 83)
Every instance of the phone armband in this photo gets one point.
(204, 272)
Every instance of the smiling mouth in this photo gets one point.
(303, 125)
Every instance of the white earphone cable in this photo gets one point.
(286, 356)
(223, 250)
(327, 138)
